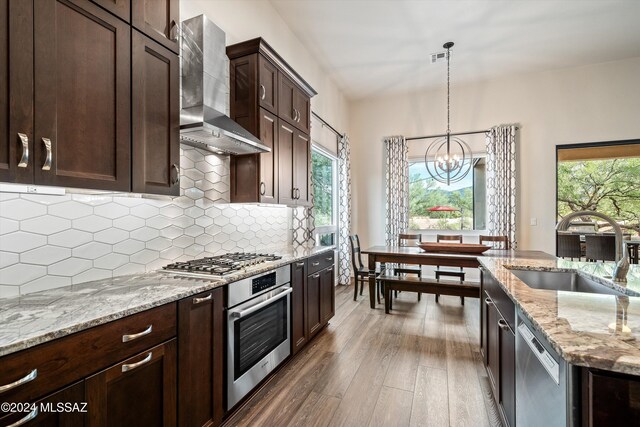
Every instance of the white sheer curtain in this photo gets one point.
(397, 187)
(501, 182)
(344, 210)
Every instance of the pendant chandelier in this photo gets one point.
(448, 158)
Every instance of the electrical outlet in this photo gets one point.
(534, 222)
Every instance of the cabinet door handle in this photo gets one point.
(315, 276)
(263, 92)
(300, 264)
(47, 161)
(297, 193)
(176, 180)
(329, 258)
(31, 415)
(203, 299)
(488, 301)
(24, 160)
(173, 32)
(315, 264)
(263, 188)
(27, 378)
(131, 337)
(129, 366)
(503, 324)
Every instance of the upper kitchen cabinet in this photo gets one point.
(16, 91)
(158, 19)
(155, 107)
(82, 109)
(120, 8)
(272, 101)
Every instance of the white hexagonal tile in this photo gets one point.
(204, 203)
(204, 221)
(171, 211)
(221, 221)
(7, 259)
(9, 291)
(130, 268)
(229, 246)
(186, 163)
(213, 212)
(92, 223)
(111, 236)
(92, 250)
(20, 209)
(194, 250)
(8, 196)
(145, 211)
(92, 199)
(242, 228)
(204, 239)
(8, 226)
(242, 212)
(229, 212)
(171, 253)
(145, 234)
(183, 202)
(111, 261)
(70, 267)
(203, 185)
(249, 220)
(204, 167)
(21, 241)
(129, 247)
(91, 275)
(159, 243)
(171, 232)
(111, 210)
(185, 183)
(156, 264)
(158, 222)
(46, 199)
(183, 221)
(145, 256)
(194, 154)
(193, 231)
(183, 241)
(45, 283)
(229, 228)
(129, 223)
(213, 247)
(221, 187)
(133, 200)
(194, 193)
(45, 255)
(236, 220)
(45, 225)
(70, 210)
(213, 229)
(221, 237)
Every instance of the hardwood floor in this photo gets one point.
(419, 366)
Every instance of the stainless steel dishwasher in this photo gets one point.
(545, 386)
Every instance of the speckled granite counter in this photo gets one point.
(593, 330)
(43, 316)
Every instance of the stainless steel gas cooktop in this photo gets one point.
(220, 265)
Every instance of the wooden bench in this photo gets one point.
(391, 282)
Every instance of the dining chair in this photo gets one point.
(568, 246)
(496, 242)
(600, 247)
(409, 240)
(360, 272)
(460, 274)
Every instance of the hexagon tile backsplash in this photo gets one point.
(52, 241)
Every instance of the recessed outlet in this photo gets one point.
(534, 221)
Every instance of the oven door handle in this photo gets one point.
(254, 308)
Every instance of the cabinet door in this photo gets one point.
(298, 306)
(156, 125)
(302, 105)
(609, 398)
(268, 85)
(301, 166)
(62, 408)
(16, 91)
(200, 352)
(286, 143)
(493, 348)
(286, 99)
(120, 8)
(158, 19)
(141, 391)
(327, 295)
(484, 312)
(82, 96)
(507, 374)
(314, 309)
(268, 187)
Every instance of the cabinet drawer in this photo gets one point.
(320, 262)
(503, 303)
(63, 361)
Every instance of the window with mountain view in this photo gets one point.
(437, 206)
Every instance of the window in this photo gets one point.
(324, 171)
(436, 206)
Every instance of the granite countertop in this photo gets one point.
(592, 330)
(39, 317)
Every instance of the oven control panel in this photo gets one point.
(261, 283)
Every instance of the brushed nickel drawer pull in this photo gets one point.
(129, 366)
(300, 264)
(488, 301)
(315, 264)
(203, 299)
(31, 415)
(263, 92)
(24, 160)
(329, 258)
(263, 188)
(47, 161)
(503, 324)
(27, 378)
(131, 337)
(176, 180)
(315, 276)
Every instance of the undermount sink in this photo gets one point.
(562, 281)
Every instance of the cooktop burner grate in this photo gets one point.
(221, 265)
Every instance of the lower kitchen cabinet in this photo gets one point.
(298, 306)
(314, 309)
(327, 295)
(141, 391)
(609, 399)
(200, 359)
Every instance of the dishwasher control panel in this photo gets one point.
(540, 352)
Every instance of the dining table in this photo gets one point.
(417, 256)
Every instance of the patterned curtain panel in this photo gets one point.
(501, 182)
(397, 186)
(344, 210)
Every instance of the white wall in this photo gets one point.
(587, 104)
(247, 19)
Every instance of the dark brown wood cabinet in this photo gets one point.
(139, 391)
(82, 96)
(327, 294)
(264, 88)
(158, 19)
(120, 8)
(16, 91)
(314, 308)
(155, 106)
(609, 399)
(299, 327)
(200, 359)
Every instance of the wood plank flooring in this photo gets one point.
(419, 366)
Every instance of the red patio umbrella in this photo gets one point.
(442, 209)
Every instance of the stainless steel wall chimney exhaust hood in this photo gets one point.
(205, 92)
